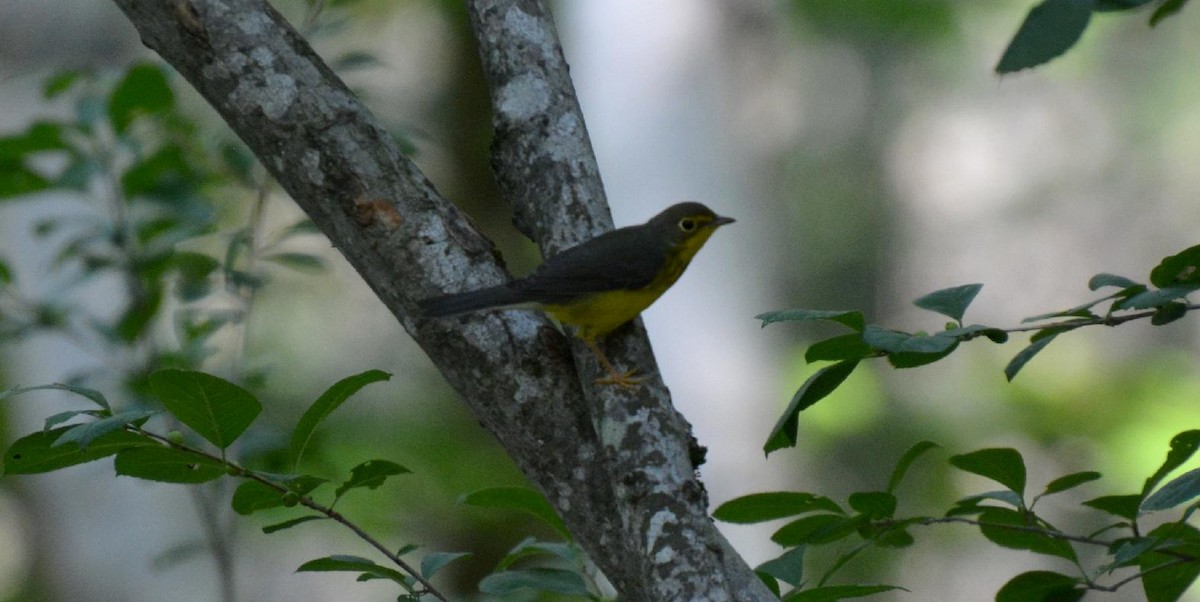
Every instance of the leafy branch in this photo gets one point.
(1162, 301)
(1167, 558)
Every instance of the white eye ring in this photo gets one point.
(687, 224)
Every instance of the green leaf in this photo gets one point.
(994, 523)
(433, 562)
(1040, 586)
(168, 465)
(1183, 488)
(1170, 576)
(1102, 280)
(304, 262)
(762, 507)
(530, 547)
(166, 174)
(194, 270)
(252, 496)
(1182, 268)
(1026, 354)
(854, 319)
(815, 529)
(1003, 465)
(92, 395)
(906, 460)
(873, 504)
(1049, 30)
(1183, 445)
(215, 408)
(60, 82)
(1165, 10)
(950, 302)
(539, 579)
(353, 60)
(1124, 506)
(1070, 481)
(517, 498)
(1155, 298)
(6, 276)
(83, 434)
(1169, 312)
(967, 333)
(832, 593)
(355, 564)
(909, 350)
(816, 388)
(144, 90)
(1004, 495)
(788, 567)
(839, 348)
(370, 474)
(16, 180)
(330, 400)
(288, 524)
(36, 453)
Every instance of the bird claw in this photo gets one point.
(625, 380)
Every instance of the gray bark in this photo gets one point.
(615, 463)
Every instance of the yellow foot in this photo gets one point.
(625, 380)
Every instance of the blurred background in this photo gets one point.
(869, 154)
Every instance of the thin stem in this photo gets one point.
(307, 502)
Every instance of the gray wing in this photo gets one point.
(628, 258)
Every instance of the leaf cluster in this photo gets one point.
(1166, 559)
(1162, 301)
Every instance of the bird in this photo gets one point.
(602, 283)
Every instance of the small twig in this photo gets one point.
(307, 502)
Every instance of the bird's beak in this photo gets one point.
(721, 220)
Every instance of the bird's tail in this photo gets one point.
(461, 303)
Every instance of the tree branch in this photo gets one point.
(631, 499)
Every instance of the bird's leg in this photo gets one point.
(621, 379)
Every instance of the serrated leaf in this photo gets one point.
(1040, 586)
(950, 302)
(994, 522)
(832, 593)
(1049, 29)
(370, 474)
(788, 567)
(517, 498)
(36, 453)
(433, 562)
(355, 564)
(167, 465)
(1070, 481)
(215, 408)
(906, 461)
(288, 524)
(1183, 445)
(853, 318)
(815, 529)
(1181, 489)
(330, 400)
(83, 434)
(817, 387)
(1022, 357)
(143, 90)
(839, 348)
(1003, 465)
(1165, 578)
(1102, 280)
(762, 507)
(539, 579)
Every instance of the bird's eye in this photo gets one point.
(687, 224)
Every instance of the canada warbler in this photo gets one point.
(602, 283)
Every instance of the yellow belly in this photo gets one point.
(601, 313)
